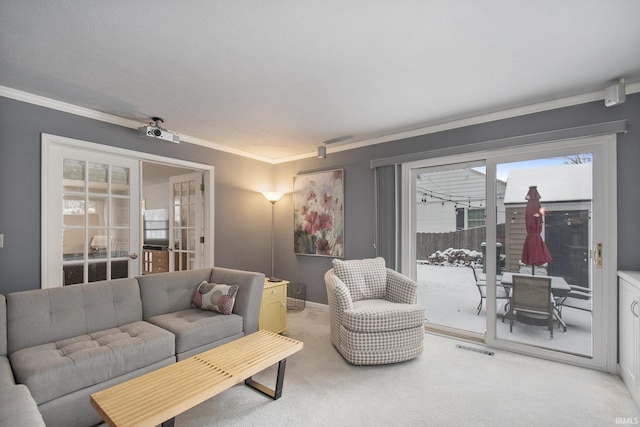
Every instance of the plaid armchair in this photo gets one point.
(374, 316)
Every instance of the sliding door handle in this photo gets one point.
(597, 255)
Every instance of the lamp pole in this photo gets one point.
(273, 240)
(273, 197)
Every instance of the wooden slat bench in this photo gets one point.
(157, 397)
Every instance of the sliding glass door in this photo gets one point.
(477, 225)
(547, 234)
(450, 235)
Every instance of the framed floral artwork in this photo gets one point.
(318, 211)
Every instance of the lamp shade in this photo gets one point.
(272, 196)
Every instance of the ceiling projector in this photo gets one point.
(153, 130)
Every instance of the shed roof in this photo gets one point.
(559, 183)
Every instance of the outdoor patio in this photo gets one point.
(450, 298)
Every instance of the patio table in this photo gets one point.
(559, 286)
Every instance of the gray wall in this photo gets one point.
(359, 179)
(243, 216)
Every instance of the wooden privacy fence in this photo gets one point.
(472, 239)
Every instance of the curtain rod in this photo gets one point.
(598, 129)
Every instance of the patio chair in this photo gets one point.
(532, 295)
(481, 284)
(579, 298)
(374, 318)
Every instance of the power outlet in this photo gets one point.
(1, 240)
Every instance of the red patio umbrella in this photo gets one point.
(534, 251)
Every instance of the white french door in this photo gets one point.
(440, 197)
(90, 215)
(186, 225)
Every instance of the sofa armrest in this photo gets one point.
(249, 299)
(400, 288)
(6, 374)
(17, 407)
(3, 325)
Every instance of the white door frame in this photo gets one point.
(604, 190)
(50, 142)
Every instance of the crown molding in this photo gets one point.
(110, 118)
(475, 120)
(66, 107)
(440, 127)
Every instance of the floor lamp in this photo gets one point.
(273, 197)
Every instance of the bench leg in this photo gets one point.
(274, 394)
(168, 423)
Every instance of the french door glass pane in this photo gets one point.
(119, 269)
(98, 242)
(72, 244)
(97, 271)
(98, 177)
(73, 175)
(176, 193)
(120, 181)
(120, 212)
(73, 210)
(73, 274)
(177, 217)
(98, 211)
(192, 215)
(120, 243)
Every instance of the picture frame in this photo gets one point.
(318, 212)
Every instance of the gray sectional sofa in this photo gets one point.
(60, 345)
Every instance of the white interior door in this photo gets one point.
(90, 216)
(186, 222)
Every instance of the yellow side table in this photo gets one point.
(273, 314)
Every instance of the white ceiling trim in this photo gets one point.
(132, 124)
(110, 118)
(485, 118)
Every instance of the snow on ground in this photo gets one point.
(450, 297)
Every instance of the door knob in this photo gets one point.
(133, 256)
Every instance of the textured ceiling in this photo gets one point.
(275, 79)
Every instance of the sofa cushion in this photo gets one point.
(170, 292)
(195, 328)
(378, 315)
(41, 316)
(365, 278)
(61, 367)
(215, 297)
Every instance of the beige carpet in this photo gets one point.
(446, 386)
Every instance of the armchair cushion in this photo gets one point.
(378, 315)
(365, 278)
